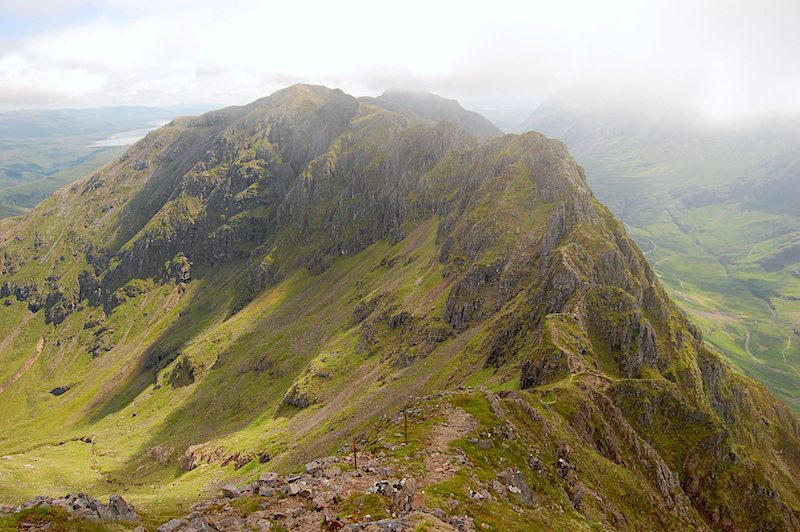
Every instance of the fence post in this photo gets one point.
(406, 415)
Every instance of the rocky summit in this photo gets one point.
(323, 312)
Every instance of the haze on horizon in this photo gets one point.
(715, 59)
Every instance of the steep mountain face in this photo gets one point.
(248, 288)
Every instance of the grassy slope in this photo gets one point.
(721, 298)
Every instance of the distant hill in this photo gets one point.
(772, 187)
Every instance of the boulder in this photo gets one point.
(268, 476)
(120, 510)
(230, 491)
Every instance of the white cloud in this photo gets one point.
(716, 56)
(22, 80)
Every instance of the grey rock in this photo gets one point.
(293, 488)
(119, 509)
(297, 397)
(264, 491)
(230, 524)
(332, 472)
(500, 489)
(313, 467)
(516, 483)
(174, 525)
(230, 491)
(268, 476)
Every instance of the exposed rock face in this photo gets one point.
(197, 455)
(515, 483)
(179, 268)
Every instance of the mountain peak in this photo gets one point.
(303, 90)
(436, 108)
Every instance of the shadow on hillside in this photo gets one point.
(245, 384)
(283, 330)
(199, 313)
(243, 391)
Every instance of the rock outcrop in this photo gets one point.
(83, 506)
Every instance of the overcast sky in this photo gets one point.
(716, 58)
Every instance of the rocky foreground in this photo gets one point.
(365, 492)
(316, 499)
(306, 501)
(352, 493)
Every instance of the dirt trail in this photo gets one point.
(649, 251)
(573, 361)
(438, 462)
(783, 353)
(746, 339)
(718, 316)
(25, 366)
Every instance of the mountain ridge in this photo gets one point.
(270, 279)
